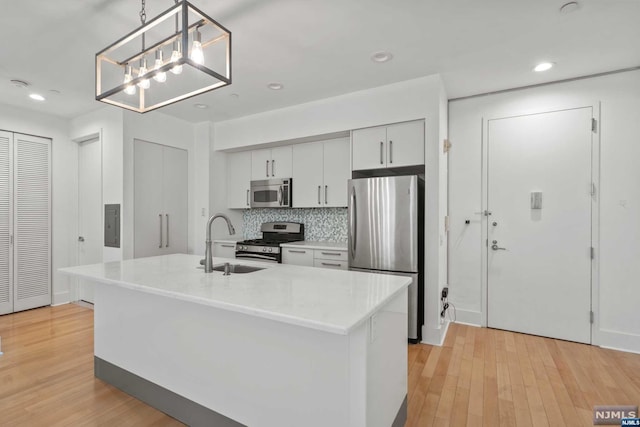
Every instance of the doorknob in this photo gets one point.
(80, 239)
(495, 247)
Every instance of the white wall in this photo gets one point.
(108, 122)
(64, 197)
(166, 130)
(422, 98)
(616, 303)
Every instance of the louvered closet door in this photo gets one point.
(32, 213)
(6, 280)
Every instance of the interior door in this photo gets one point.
(175, 200)
(149, 222)
(539, 184)
(90, 235)
(6, 225)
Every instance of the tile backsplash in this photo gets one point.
(320, 224)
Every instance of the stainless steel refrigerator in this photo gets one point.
(386, 234)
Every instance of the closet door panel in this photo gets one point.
(32, 213)
(6, 266)
(175, 195)
(149, 234)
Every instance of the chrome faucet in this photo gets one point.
(208, 253)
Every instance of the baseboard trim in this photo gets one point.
(60, 298)
(618, 341)
(433, 336)
(172, 404)
(468, 317)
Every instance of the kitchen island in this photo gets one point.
(282, 346)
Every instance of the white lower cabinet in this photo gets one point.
(321, 258)
(297, 256)
(224, 249)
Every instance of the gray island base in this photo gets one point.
(283, 346)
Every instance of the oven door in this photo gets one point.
(258, 257)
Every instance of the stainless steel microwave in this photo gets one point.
(271, 193)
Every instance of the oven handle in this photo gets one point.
(280, 198)
(256, 256)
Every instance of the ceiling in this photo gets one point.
(322, 48)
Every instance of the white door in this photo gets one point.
(6, 225)
(149, 220)
(369, 148)
(540, 283)
(90, 230)
(307, 175)
(405, 144)
(175, 200)
(238, 179)
(336, 172)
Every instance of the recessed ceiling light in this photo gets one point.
(381, 57)
(572, 6)
(234, 96)
(55, 91)
(201, 106)
(543, 66)
(36, 97)
(275, 86)
(19, 83)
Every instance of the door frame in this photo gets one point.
(74, 288)
(595, 207)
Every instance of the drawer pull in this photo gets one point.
(228, 246)
(331, 253)
(297, 252)
(331, 264)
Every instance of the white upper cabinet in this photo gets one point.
(238, 179)
(271, 163)
(396, 145)
(320, 173)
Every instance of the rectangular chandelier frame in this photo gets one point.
(182, 9)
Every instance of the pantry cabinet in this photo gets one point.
(391, 146)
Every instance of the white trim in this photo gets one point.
(620, 341)
(468, 317)
(434, 336)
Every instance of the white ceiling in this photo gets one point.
(322, 48)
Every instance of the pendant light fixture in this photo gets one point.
(199, 60)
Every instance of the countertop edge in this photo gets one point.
(335, 246)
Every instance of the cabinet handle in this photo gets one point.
(273, 167)
(381, 152)
(325, 194)
(291, 251)
(247, 197)
(331, 264)
(167, 245)
(160, 216)
(228, 246)
(267, 168)
(390, 151)
(319, 194)
(331, 253)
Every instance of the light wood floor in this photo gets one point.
(479, 377)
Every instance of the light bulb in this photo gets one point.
(144, 83)
(197, 55)
(175, 57)
(130, 89)
(160, 76)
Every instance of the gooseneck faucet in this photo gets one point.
(208, 253)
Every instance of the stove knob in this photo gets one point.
(270, 249)
(264, 249)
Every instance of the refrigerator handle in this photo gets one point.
(353, 224)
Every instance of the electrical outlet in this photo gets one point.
(445, 292)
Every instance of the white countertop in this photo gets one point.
(336, 246)
(329, 300)
(227, 240)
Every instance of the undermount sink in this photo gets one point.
(238, 268)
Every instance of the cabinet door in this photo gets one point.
(336, 172)
(307, 175)
(224, 250)
(369, 148)
(175, 200)
(149, 223)
(297, 256)
(261, 164)
(405, 144)
(238, 179)
(281, 163)
(6, 228)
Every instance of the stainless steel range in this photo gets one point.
(268, 248)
